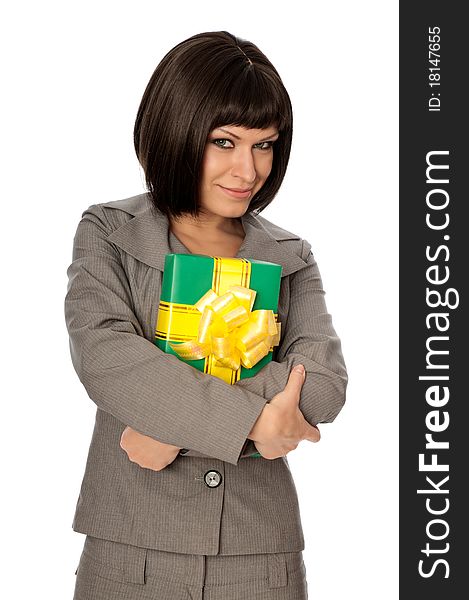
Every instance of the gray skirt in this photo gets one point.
(111, 570)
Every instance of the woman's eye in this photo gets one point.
(265, 147)
(221, 143)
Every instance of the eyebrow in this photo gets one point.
(238, 138)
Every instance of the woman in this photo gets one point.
(213, 135)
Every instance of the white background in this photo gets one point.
(73, 74)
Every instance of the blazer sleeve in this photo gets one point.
(127, 375)
(308, 338)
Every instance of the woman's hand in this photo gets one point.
(146, 451)
(281, 426)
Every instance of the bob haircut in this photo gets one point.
(207, 81)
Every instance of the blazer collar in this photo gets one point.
(146, 237)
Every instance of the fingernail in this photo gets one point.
(299, 368)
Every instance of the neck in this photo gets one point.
(207, 225)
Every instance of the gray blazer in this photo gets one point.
(214, 499)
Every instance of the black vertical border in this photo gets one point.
(422, 131)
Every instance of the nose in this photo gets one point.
(243, 166)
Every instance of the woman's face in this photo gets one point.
(236, 164)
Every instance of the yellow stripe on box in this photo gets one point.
(228, 272)
(184, 320)
(228, 375)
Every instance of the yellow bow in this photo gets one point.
(230, 330)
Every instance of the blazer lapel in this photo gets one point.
(263, 241)
(146, 237)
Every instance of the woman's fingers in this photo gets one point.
(294, 385)
(312, 433)
(295, 382)
(293, 390)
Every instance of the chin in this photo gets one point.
(239, 211)
(234, 211)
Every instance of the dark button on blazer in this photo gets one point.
(114, 284)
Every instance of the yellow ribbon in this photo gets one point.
(230, 330)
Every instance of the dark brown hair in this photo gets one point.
(207, 81)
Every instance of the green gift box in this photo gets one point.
(226, 305)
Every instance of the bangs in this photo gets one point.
(252, 99)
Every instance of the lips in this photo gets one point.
(237, 189)
(237, 192)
